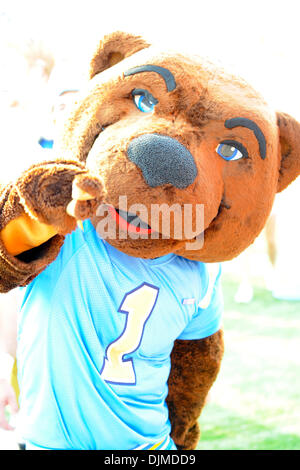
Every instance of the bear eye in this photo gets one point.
(231, 150)
(143, 100)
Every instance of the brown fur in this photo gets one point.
(289, 143)
(237, 195)
(189, 382)
(111, 50)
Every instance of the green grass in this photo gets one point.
(255, 402)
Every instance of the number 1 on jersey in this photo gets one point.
(138, 305)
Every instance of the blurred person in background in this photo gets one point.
(62, 102)
(26, 68)
(9, 303)
(33, 111)
(23, 111)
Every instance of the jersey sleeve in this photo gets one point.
(207, 318)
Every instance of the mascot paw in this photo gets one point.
(86, 196)
(59, 194)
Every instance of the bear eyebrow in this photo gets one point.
(244, 122)
(163, 72)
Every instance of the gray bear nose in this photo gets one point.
(162, 160)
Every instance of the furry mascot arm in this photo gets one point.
(195, 366)
(34, 217)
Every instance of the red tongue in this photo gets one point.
(126, 226)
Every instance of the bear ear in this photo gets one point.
(289, 135)
(113, 48)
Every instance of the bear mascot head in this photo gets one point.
(163, 128)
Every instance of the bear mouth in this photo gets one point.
(129, 222)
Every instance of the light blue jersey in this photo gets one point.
(95, 335)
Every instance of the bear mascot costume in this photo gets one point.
(120, 333)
